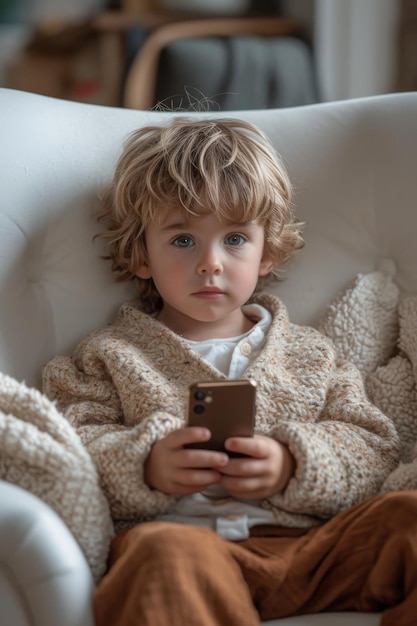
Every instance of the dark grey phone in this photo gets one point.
(226, 408)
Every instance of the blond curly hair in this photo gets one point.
(223, 166)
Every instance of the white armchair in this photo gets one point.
(353, 164)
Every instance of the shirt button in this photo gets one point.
(245, 348)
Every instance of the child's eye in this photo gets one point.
(235, 239)
(184, 241)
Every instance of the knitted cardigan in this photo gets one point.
(125, 388)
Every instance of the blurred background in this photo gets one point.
(208, 54)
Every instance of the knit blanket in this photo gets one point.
(370, 326)
(42, 453)
(377, 331)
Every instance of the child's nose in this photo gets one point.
(210, 263)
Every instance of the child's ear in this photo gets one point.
(265, 267)
(144, 271)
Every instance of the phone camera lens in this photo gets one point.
(199, 408)
(199, 395)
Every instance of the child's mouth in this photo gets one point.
(208, 293)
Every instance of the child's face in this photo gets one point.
(204, 269)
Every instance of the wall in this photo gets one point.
(355, 44)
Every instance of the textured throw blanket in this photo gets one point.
(377, 331)
(370, 326)
(41, 452)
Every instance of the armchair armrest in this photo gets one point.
(44, 577)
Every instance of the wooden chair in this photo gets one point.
(140, 84)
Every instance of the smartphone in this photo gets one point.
(226, 408)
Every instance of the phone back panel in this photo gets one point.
(226, 408)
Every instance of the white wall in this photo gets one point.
(355, 44)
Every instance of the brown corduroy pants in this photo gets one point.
(364, 559)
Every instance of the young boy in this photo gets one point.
(199, 214)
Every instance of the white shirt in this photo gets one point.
(230, 517)
(233, 354)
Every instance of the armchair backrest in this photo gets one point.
(353, 164)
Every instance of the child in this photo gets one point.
(199, 214)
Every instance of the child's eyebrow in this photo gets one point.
(185, 225)
(175, 226)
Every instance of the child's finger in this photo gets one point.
(240, 468)
(243, 487)
(250, 446)
(183, 436)
(203, 458)
(191, 481)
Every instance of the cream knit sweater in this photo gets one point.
(125, 388)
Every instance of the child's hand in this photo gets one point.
(176, 470)
(264, 474)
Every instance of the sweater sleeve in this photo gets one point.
(119, 450)
(343, 456)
